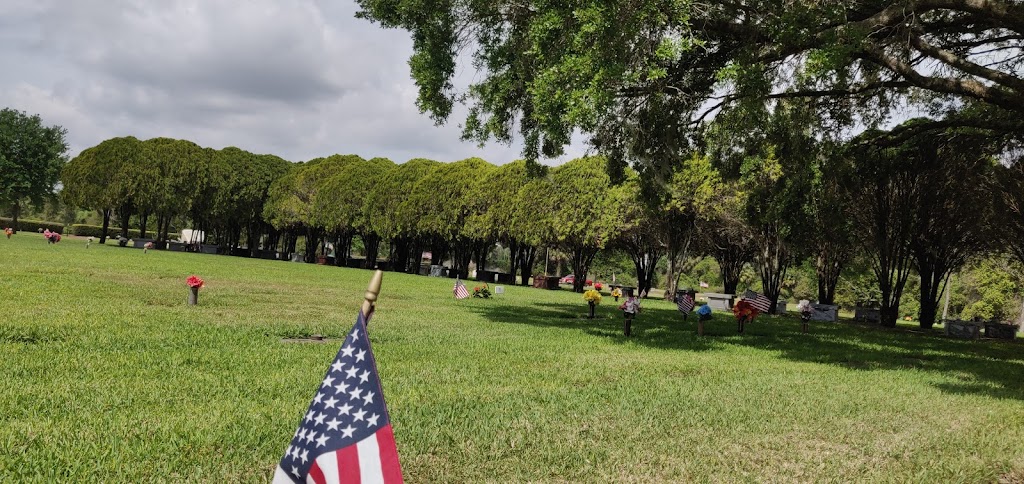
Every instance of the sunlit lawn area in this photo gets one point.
(108, 376)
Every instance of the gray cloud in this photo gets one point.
(299, 79)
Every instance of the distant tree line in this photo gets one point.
(928, 204)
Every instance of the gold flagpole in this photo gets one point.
(370, 298)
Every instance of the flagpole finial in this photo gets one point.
(370, 298)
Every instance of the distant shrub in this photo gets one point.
(84, 230)
(32, 225)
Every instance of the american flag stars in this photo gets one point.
(347, 414)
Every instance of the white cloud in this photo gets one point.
(299, 79)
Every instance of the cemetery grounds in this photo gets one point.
(107, 375)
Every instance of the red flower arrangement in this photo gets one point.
(598, 286)
(194, 281)
(744, 312)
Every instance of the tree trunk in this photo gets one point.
(106, 225)
(828, 265)
(415, 259)
(889, 315)
(143, 218)
(672, 281)
(527, 257)
(125, 215)
(678, 249)
(513, 258)
(312, 242)
(462, 253)
(731, 260)
(438, 250)
(933, 279)
(371, 243)
(399, 254)
(15, 213)
(481, 250)
(582, 257)
(729, 285)
(773, 263)
(252, 239)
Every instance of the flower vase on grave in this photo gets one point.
(194, 284)
(591, 303)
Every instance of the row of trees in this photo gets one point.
(773, 197)
(161, 179)
(772, 93)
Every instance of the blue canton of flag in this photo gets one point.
(346, 434)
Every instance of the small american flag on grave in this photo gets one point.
(685, 303)
(758, 301)
(460, 290)
(346, 433)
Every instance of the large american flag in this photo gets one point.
(684, 303)
(759, 301)
(346, 434)
(460, 289)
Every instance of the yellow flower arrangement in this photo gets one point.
(592, 296)
(616, 292)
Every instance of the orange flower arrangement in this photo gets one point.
(744, 311)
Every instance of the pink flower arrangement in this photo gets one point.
(194, 281)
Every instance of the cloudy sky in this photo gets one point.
(296, 78)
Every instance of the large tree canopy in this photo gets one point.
(31, 157)
(635, 74)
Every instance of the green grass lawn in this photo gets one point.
(107, 375)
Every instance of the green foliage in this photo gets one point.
(989, 289)
(393, 216)
(33, 225)
(340, 204)
(443, 200)
(582, 216)
(31, 156)
(295, 200)
(857, 284)
(496, 203)
(613, 262)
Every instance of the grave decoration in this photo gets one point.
(684, 303)
(703, 314)
(145, 248)
(482, 292)
(593, 298)
(8, 232)
(51, 237)
(194, 284)
(629, 310)
(745, 312)
(616, 293)
(805, 310)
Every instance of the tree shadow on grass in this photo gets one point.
(986, 367)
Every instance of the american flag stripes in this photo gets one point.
(346, 434)
(460, 289)
(758, 301)
(684, 303)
